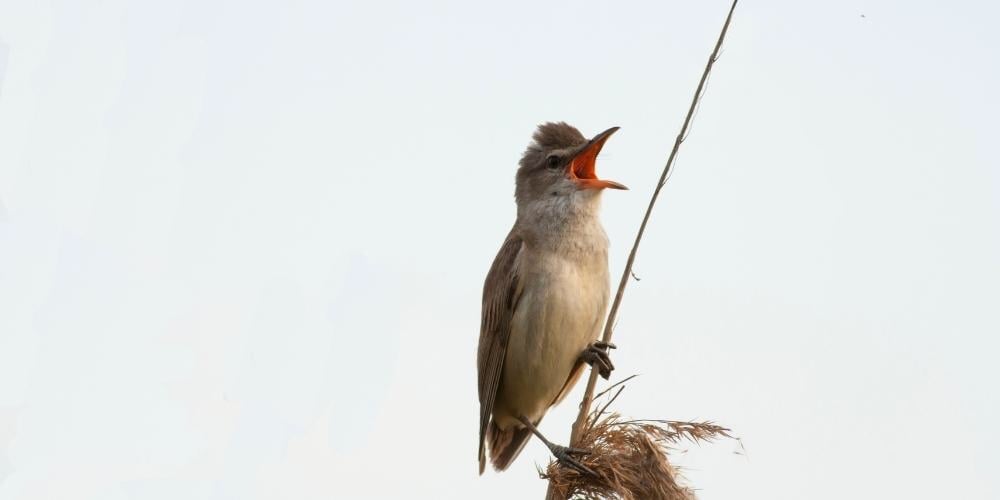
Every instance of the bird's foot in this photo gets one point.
(565, 456)
(596, 355)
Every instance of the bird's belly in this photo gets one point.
(558, 315)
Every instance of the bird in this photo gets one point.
(545, 295)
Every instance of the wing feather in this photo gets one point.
(500, 294)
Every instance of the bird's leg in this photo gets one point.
(596, 354)
(564, 454)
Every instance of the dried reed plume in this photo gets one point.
(628, 457)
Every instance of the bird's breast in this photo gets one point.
(560, 311)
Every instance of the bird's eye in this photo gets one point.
(552, 161)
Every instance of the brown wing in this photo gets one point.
(500, 294)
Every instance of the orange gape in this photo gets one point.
(583, 168)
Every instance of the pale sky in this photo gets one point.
(242, 245)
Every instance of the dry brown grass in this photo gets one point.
(629, 458)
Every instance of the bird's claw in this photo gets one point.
(596, 355)
(564, 455)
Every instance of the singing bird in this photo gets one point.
(545, 296)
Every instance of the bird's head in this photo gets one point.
(560, 162)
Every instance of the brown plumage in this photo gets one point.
(546, 293)
(500, 294)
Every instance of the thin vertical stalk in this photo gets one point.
(588, 395)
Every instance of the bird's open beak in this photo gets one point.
(582, 170)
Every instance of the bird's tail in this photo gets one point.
(505, 445)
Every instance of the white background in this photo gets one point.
(242, 244)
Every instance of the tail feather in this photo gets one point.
(505, 445)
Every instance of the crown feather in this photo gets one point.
(557, 135)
